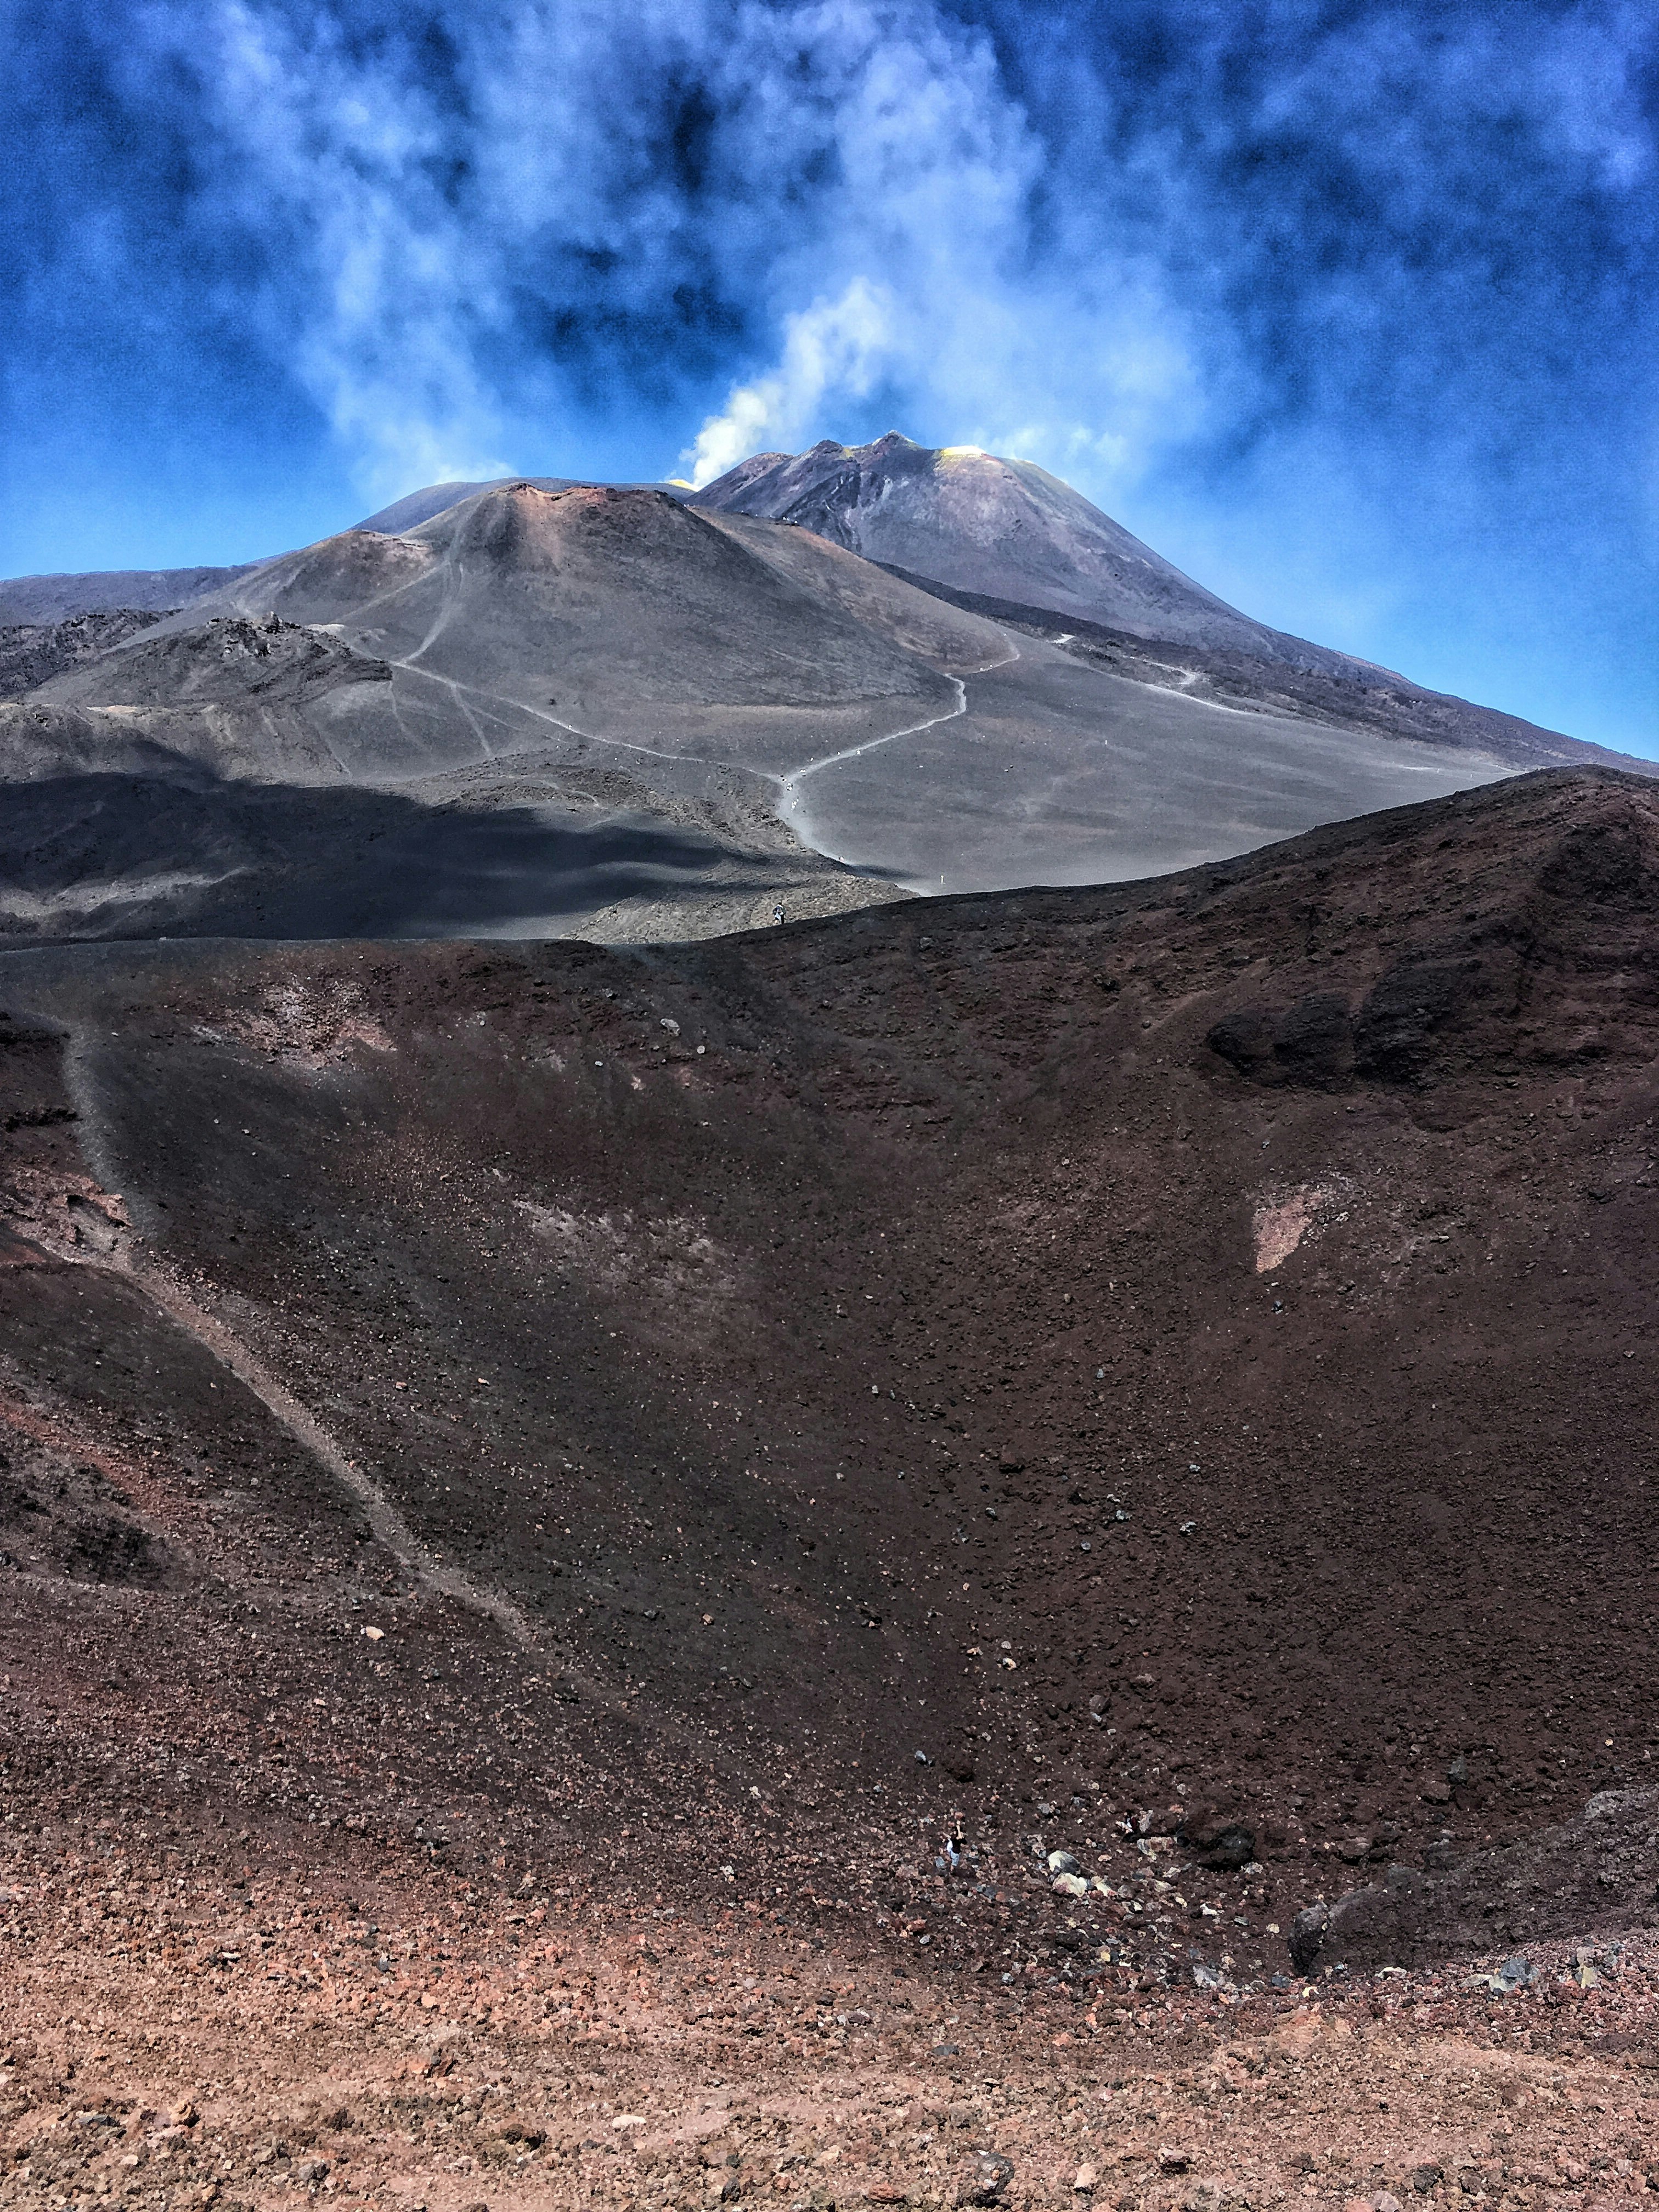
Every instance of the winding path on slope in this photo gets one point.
(786, 783)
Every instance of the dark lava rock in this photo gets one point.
(1397, 1026)
(1217, 1840)
(1314, 1041)
(1310, 1043)
(1244, 1040)
(1307, 1934)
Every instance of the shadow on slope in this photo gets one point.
(123, 856)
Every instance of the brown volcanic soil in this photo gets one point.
(705, 1368)
(194, 2027)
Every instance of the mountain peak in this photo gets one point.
(986, 523)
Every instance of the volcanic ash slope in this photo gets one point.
(606, 711)
(534, 710)
(1003, 527)
(523, 618)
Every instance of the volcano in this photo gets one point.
(1003, 528)
(533, 706)
(539, 708)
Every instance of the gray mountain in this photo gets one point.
(1006, 539)
(1008, 529)
(542, 708)
(434, 500)
(35, 600)
(32, 654)
(531, 712)
(521, 619)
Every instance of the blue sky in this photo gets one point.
(1350, 309)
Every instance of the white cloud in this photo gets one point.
(395, 295)
(857, 184)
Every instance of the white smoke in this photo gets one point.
(829, 348)
(950, 304)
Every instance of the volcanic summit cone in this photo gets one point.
(1005, 528)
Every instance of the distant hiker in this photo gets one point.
(777, 913)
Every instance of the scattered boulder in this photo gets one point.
(1235, 1848)
(984, 2180)
(1307, 1934)
(1216, 1840)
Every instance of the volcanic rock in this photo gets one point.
(1005, 528)
(984, 2180)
